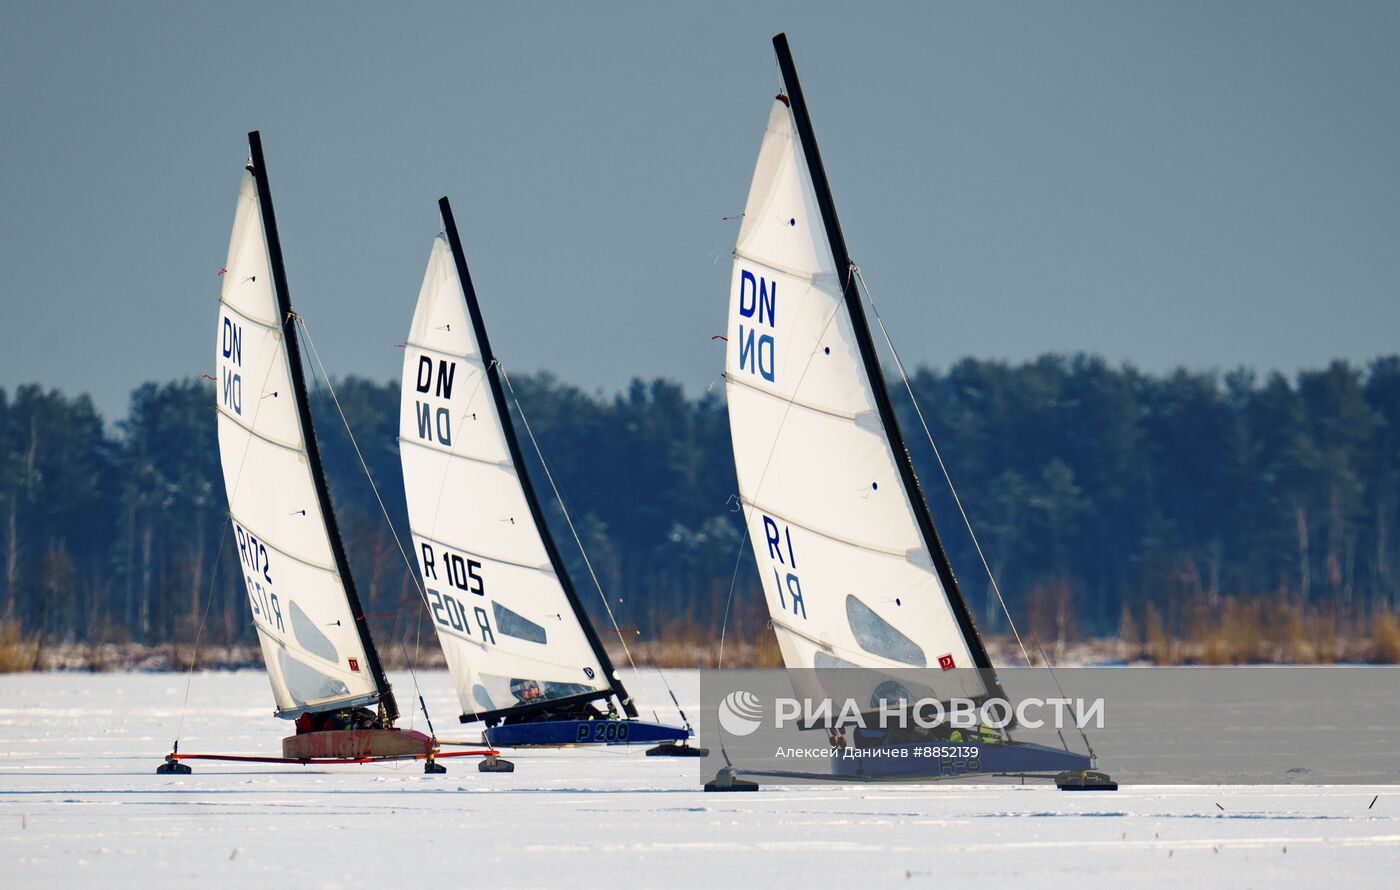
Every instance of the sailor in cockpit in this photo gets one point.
(529, 692)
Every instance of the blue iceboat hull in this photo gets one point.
(583, 732)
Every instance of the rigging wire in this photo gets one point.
(947, 477)
(199, 633)
(624, 607)
(218, 557)
(534, 443)
(412, 571)
(568, 519)
(729, 599)
(743, 543)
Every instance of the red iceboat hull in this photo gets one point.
(355, 744)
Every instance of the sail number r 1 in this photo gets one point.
(783, 561)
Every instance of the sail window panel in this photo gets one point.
(484, 686)
(303, 609)
(878, 637)
(513, 624)
(295, 685)
(822, 660)
(481, 697)
(306, 684)
(440, 319)
(479, 507)
(782, 222)
(793, 339)
(829, 677)
(253, 387)
(887, 683)
(506, 691)
(270, 491)
(825, 472)
(246, 282)
(456, 413)
(474, 697)
(827, 571)
(870, 684)
(309, 636)
(271, 651)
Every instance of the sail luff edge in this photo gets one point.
(837, 243)
(493, 375)
(298, 380)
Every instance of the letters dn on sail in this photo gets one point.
(758, 300)
(434, 382)
(231, 380)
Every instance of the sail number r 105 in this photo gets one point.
(462, 573)
(448, 611)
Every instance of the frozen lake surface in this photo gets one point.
(80, 804)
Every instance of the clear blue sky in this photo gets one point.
(1201, 184)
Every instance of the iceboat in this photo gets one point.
(321, 660)
(526, 660)
(854, 574)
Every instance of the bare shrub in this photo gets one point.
(1385, 638)
(18, 650)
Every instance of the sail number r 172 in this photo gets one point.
(257, 576)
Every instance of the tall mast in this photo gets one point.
(493, 374)
(313, 451)
(868, 355)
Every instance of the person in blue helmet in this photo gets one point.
(531, 692)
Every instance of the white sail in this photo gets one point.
(498, 603)
(847, 573)
(311, 643)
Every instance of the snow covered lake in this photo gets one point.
(80, 804)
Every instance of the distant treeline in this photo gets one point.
(1104, 498)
